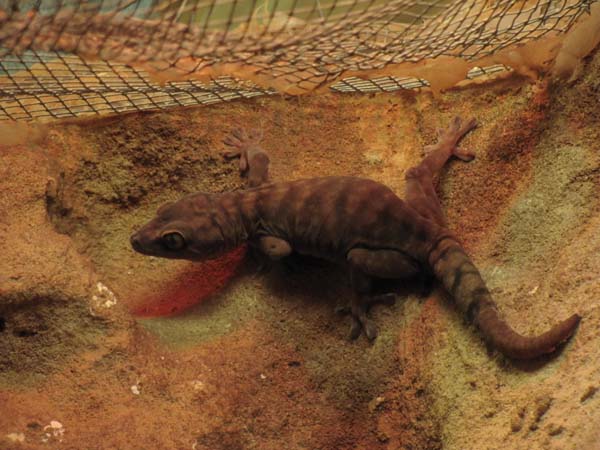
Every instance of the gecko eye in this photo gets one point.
(173, 240)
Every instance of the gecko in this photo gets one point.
(355, 222)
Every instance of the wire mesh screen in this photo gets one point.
(72, 57)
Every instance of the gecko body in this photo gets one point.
(356, 222)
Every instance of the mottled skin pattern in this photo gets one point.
(352, 221)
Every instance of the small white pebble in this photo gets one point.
(110, 303)
(534, 290)
(135, 389)
(54, 429)
(263, 376)
(105, 297)
(55, 424)
(198, 385)
(376, 403)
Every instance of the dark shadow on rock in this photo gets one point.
(42, 331)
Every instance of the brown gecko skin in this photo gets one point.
(352, 221)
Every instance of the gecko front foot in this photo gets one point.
(360, 322)
(261, 261)
(243, 142)
(254, 162)
(358, 311)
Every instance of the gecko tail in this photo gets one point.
(463, 281)
(517, 346)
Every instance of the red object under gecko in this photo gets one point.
(191, 287)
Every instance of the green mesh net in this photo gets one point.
(73, 57)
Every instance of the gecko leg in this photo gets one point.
(267, 249)
(262, 262)
(254, 161)
(420, 188)
(365, 264)
(361, 284)
(274, 247)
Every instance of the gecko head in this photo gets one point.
(186, 229)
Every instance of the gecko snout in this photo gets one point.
(135, 242)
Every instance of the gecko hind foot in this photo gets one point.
(457, 130)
